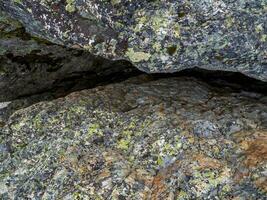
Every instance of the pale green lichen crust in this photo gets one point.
(173, 138)
(137, 56)
(157, 36)
(70, 7)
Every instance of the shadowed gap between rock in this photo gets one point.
(89, 79)
(234, 82)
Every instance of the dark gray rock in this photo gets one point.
(137, 140)
(157, 36)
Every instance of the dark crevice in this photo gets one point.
(234, 81)
(80, 80)
(114, 72)
(42, 74)
(33, 57)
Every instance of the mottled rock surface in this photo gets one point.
(30, 65)
(174, 138)
(157, 36)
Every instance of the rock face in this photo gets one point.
(144, 138)
(174, 138)
(30, 65)
(157, 36)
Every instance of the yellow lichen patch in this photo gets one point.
(137, 56)
(115, 2)
(158, 22)
(182, 195)
(177, 31)
(263, 38)
(157, 46)
(123, 144)
(161, 22)
(259, 28)
(70, 7)
(94, 129)
(17, 1)
(229, 22)
(160, 161)
(208, 179)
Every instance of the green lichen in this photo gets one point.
(37, 122)
(263, 38)
(17, 1)
(157, 46)
(259, 28)
(206, 180)
(182, 195)
(158, 21)
(160, 161)
(123, 144)
(229, 22)
(177, 31)
(70, 7)
(137, 56)
(94, 129)
(115, 2)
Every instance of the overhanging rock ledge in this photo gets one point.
(157, 36)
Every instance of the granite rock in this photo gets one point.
(157, 36)
(174, 138)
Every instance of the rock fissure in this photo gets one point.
(81, 119)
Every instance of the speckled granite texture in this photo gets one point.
(144, 138)
(174, 138)
(157, 36)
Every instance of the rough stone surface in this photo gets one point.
(30, 65)
(157, 36)
(174, 138)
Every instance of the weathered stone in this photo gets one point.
(157, 36)
(139, 139)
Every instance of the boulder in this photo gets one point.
(157, 36)
(174, 138)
